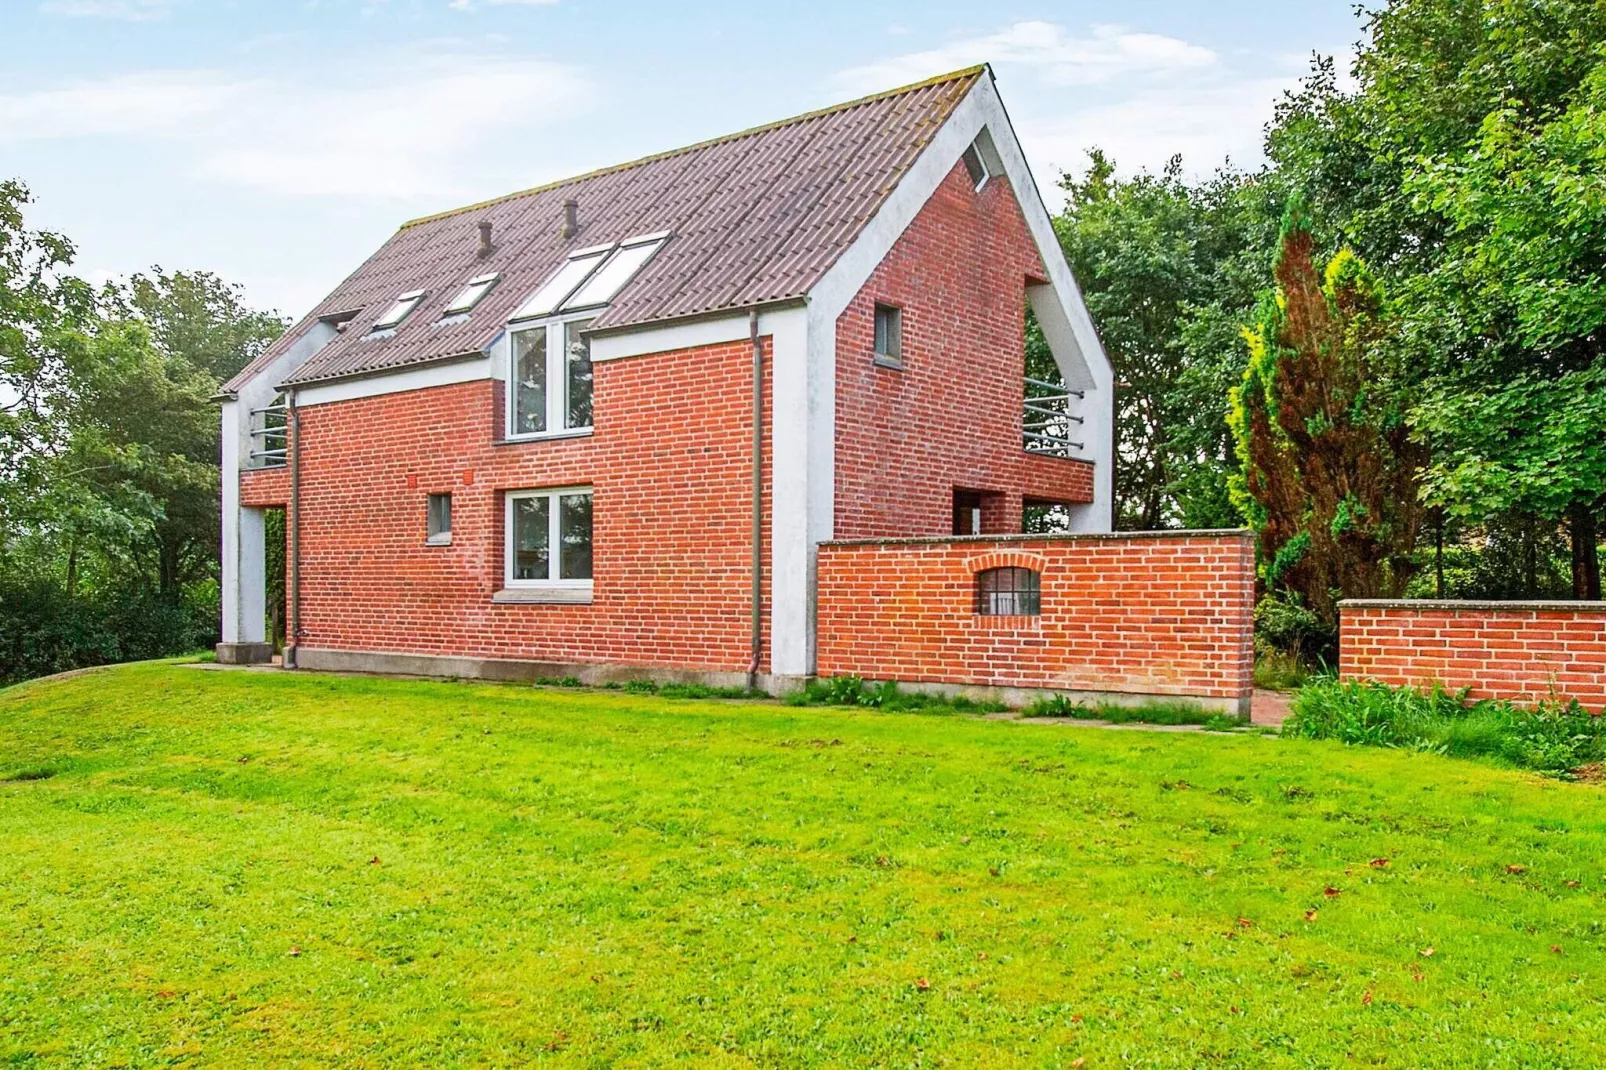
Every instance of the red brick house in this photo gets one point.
(602, 427)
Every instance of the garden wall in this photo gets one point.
(1124, 617)
(1521, 651)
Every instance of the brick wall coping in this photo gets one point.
(1085, 536)
(1482, 607)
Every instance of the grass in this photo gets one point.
(1278, 670)
(228, 868)
(1152, 713)
(1552, 737)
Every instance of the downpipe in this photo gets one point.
(293, 647)
(757, 594)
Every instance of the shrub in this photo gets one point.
(43, 631)
(1551, 737)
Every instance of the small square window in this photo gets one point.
(889, 336)
(976, 165)
(439, 532)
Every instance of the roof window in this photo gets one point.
(470, 295)
(575, 271)
(400, 310)
(632, 256)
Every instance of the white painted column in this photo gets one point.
(798, 410)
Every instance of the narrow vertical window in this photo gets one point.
(439, 530)
(976, 165)
(577, 375)
(529, 381)
(532, 557)
(574, 536)
(889, 336)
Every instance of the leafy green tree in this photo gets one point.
(1329, 466)
(1169, 270)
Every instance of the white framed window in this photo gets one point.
(548, 538)
(549, 378)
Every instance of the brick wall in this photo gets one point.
(670, 466)
(264, 488)
(1167, 614)
(951, 417)
(1523, 651)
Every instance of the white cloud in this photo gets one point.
(1106, 54)
(128, 10)
(409, 128)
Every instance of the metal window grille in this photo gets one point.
(1008, 592)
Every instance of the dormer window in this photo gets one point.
(399, 311)
(471, 294)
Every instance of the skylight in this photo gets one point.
(575, 271)
(470, 295)
(631, 258)
(400, 310)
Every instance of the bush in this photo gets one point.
(1552, 737)
(1160, 713)
(42, 631)
(1284, 625)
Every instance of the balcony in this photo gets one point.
(1049, 426)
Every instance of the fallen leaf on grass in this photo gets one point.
(981, 956)
(1245, 923)
(1426, 952)
(1379, 863)
(922, 984)
(1079, 1062)
(166, 993)
(1310, 915)
(1331, 892)
(1574, 884)
(1366, 999)
(1516, 869)
(295, 952)
(1556, 948)
(374, 861)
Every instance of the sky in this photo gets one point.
(277, 143)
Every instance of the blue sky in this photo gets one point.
(278, 143)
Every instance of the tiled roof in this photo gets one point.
(757, 217)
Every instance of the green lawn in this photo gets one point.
(214, 867)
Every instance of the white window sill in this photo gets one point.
(572, 596)
(546, 436)
(439, 540)
(884, 360)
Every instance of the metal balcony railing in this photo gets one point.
(270, 438)
(1049, 423)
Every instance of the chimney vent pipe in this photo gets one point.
(571, 219)
(485, 238)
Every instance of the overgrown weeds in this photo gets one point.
(1554, 737)
(852, 691)
(1156, 713)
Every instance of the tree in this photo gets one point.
(1329, 467)
(1169, 270)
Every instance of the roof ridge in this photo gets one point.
(951, 76)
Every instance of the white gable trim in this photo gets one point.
(1059, 306)
(395, 381)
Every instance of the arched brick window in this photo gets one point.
(1008, 592)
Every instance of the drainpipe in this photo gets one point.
(294, 631)
(758, 502)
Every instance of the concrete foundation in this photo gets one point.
(527, 671)
(244, 653)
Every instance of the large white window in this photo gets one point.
(549, 538)
(549, 381)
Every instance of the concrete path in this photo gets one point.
(1269, 708)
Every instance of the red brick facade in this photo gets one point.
(265, 488)
(670, 465)
(950, 418)
(1164, 615)
(1525, 652)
